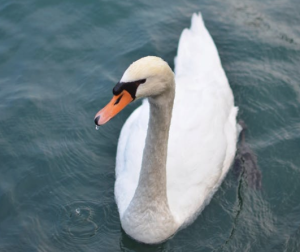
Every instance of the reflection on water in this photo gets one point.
(245, 163)
(59, 63)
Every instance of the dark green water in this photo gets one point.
(58, 63)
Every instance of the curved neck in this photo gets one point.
(151, 189)
(149, 204)
(152, 181)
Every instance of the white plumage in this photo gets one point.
(202, 137)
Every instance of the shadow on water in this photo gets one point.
(59, 62)
(128, 244)
(245, 163)
(246, 171)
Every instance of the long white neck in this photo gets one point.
(150, 203)
(152, 181)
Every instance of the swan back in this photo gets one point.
(202, 137)
(197, 55)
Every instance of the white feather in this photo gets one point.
(203, 132)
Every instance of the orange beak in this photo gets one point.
(117, 103)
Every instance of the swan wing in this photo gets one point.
(203, 130)
(202, 139)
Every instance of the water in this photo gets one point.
(58, 63)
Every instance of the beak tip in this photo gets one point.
(97, 120)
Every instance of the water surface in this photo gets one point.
(58, 63)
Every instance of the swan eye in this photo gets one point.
(130, 87)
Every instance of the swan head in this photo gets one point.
(147, 77)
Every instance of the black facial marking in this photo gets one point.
(130, 87)
(118, 89)
(118, 100)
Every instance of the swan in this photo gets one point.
(176, 148)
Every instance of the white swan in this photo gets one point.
(170, 164)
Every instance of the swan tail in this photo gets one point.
(197, 53)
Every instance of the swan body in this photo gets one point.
(176, 148)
